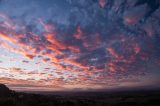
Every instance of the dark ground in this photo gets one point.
(130, 98)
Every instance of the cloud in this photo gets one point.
(102, 3)
(134, 15)
(93, 43)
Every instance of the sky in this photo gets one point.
(70, 45)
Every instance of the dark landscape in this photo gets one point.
(132, 98)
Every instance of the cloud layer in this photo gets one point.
(100, 43)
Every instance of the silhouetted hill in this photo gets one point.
(128, 98)
(4, 90)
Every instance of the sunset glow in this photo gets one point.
(51, 45)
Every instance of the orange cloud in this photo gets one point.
(114, 53)
(79, 34)
(29, 56)
(74, 49)
(7, 38)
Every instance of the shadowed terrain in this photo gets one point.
(130, 98)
